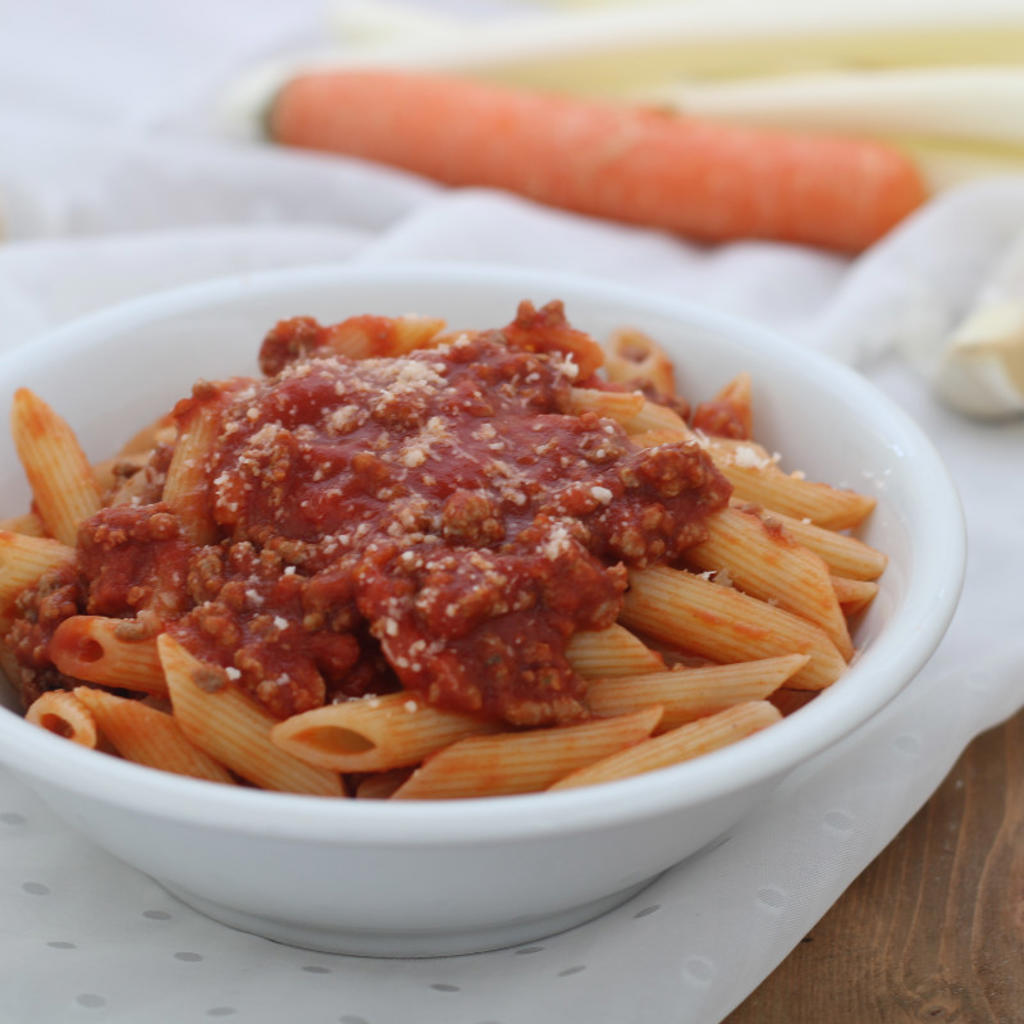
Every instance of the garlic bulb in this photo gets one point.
(981, 370)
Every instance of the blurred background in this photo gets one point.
(943, 79)
(940, 78)
(121, 118)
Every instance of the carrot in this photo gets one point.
(702, 179)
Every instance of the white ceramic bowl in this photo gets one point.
(449, 877)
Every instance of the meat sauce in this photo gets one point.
(439, 521)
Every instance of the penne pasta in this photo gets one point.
(756, 478)
(186, 489)
(844, 555)
(651, 438)
(617, 405)
(729, 413)
(412, 331)
(724, 625)
(112, 652)
(854, 595)
(375, 733)
(686, 694)
(681, 744)
(232, 728)
(58, 472)
(763, 561)
(150, 737)
(653, 416)
(360, 337)
(523, 762)
(633, 358)
(29, 525)
(611, 652)
(23, 559)
(62, 713)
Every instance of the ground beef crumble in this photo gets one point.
(438, 521)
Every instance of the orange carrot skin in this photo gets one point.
(705, 180)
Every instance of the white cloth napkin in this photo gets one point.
(97, 214)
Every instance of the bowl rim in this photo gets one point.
(895, 656)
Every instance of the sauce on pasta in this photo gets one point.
(439, 521)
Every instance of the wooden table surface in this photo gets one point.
(933, 930)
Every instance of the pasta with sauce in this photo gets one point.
(415, 564)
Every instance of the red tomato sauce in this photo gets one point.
(438, 521)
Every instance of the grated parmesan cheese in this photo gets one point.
(747, 458)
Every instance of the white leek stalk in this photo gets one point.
(608, 50)
(982, 104)
(957, 123)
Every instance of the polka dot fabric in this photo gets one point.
(85, 938)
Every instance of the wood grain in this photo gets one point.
(933, 930)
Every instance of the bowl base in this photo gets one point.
(367, 942)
